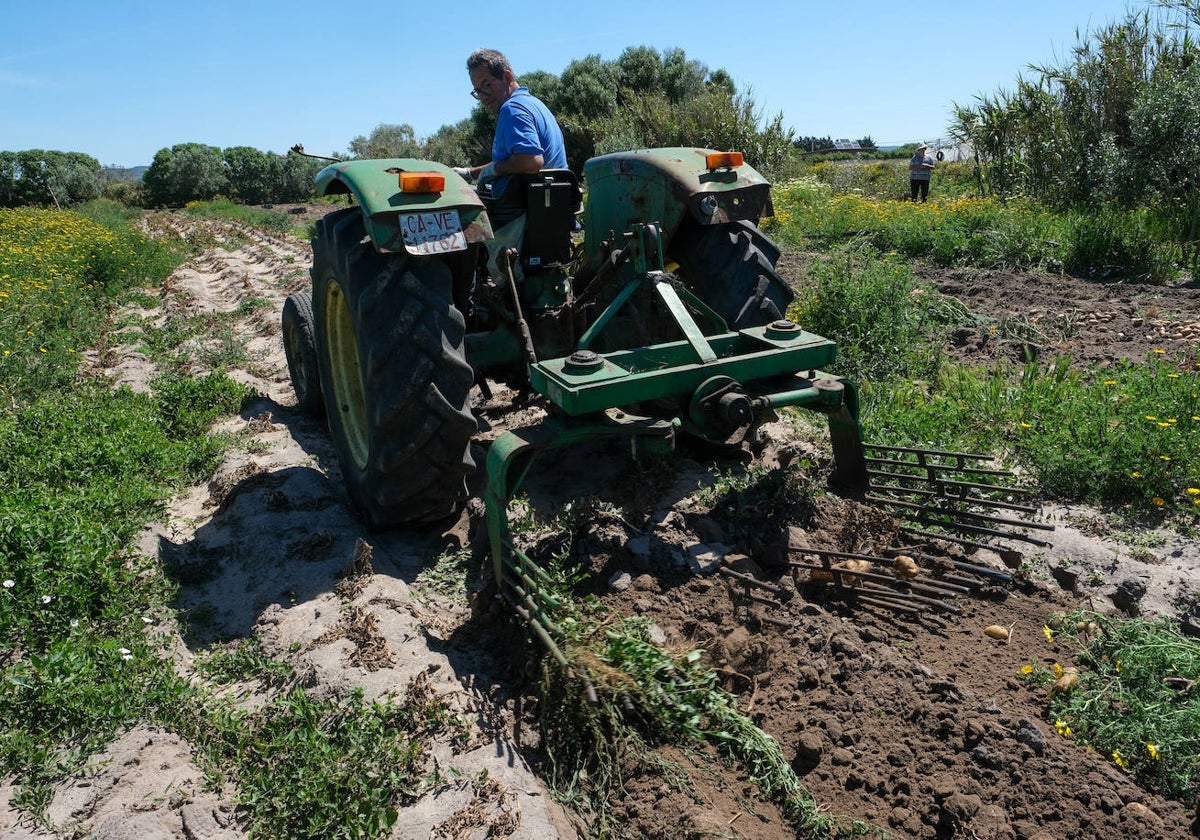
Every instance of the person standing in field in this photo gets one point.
(920, 170)
(527, 140)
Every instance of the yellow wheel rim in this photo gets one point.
(348, 397)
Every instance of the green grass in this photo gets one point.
(223, 208)
(1127, 436)
(83, 467)
(1134, 701)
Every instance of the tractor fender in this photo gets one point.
(375, 185)
(664, 186)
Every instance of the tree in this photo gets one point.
(293, 177)
(682, 78)
(387, 140)
(450, 145)
(1166, 125)
(588, 92)
(249, 172)
(640, 70)
(185, 172)
(44, 178)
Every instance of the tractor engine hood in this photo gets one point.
(664, 185)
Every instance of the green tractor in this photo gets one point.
(668, 316)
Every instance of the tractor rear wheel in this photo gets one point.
(393, 369)
(731, 267)
(300, 347)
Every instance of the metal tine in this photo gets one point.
(963, 566)
(963, 541)
(977, 529)
(983, 517)
(887, 462)
(890, 605)
(932, 494)
(922, 586)
(904, 597)
(920, 452)
(946, 483)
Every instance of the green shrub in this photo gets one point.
(1106, 241)
(874, 311)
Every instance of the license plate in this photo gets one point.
(435, 232)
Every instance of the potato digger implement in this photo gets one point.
(666, 317)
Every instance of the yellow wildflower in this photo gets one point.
(1048, 633)
(1158, 501)
(1121, 762)
(1153, 750)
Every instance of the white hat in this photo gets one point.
(922, 145)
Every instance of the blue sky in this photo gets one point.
(121, 79)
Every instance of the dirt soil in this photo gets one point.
(914, 723)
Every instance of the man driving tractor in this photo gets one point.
(527, 139)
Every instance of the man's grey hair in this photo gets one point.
(493, 60)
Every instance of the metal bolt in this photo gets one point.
(584, 361)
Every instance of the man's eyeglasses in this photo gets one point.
(483, 90)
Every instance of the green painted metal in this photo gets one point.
(375, 185)
(662, 186)
(523, 583)
(672, 369)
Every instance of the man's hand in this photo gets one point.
(463, 172)
(488, 173)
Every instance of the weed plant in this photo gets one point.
(875, 311)
(1134, 700)
(1127, 436)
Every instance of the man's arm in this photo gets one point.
(520, 164)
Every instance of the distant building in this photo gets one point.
(951, 151)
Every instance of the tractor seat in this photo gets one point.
(552, 201)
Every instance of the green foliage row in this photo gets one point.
(179, 174)
(195, 172)
(1129, 435)
(84, 466)
(48, 178)
(859, 203)
(58, 272)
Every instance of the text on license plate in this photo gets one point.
(434, 232)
